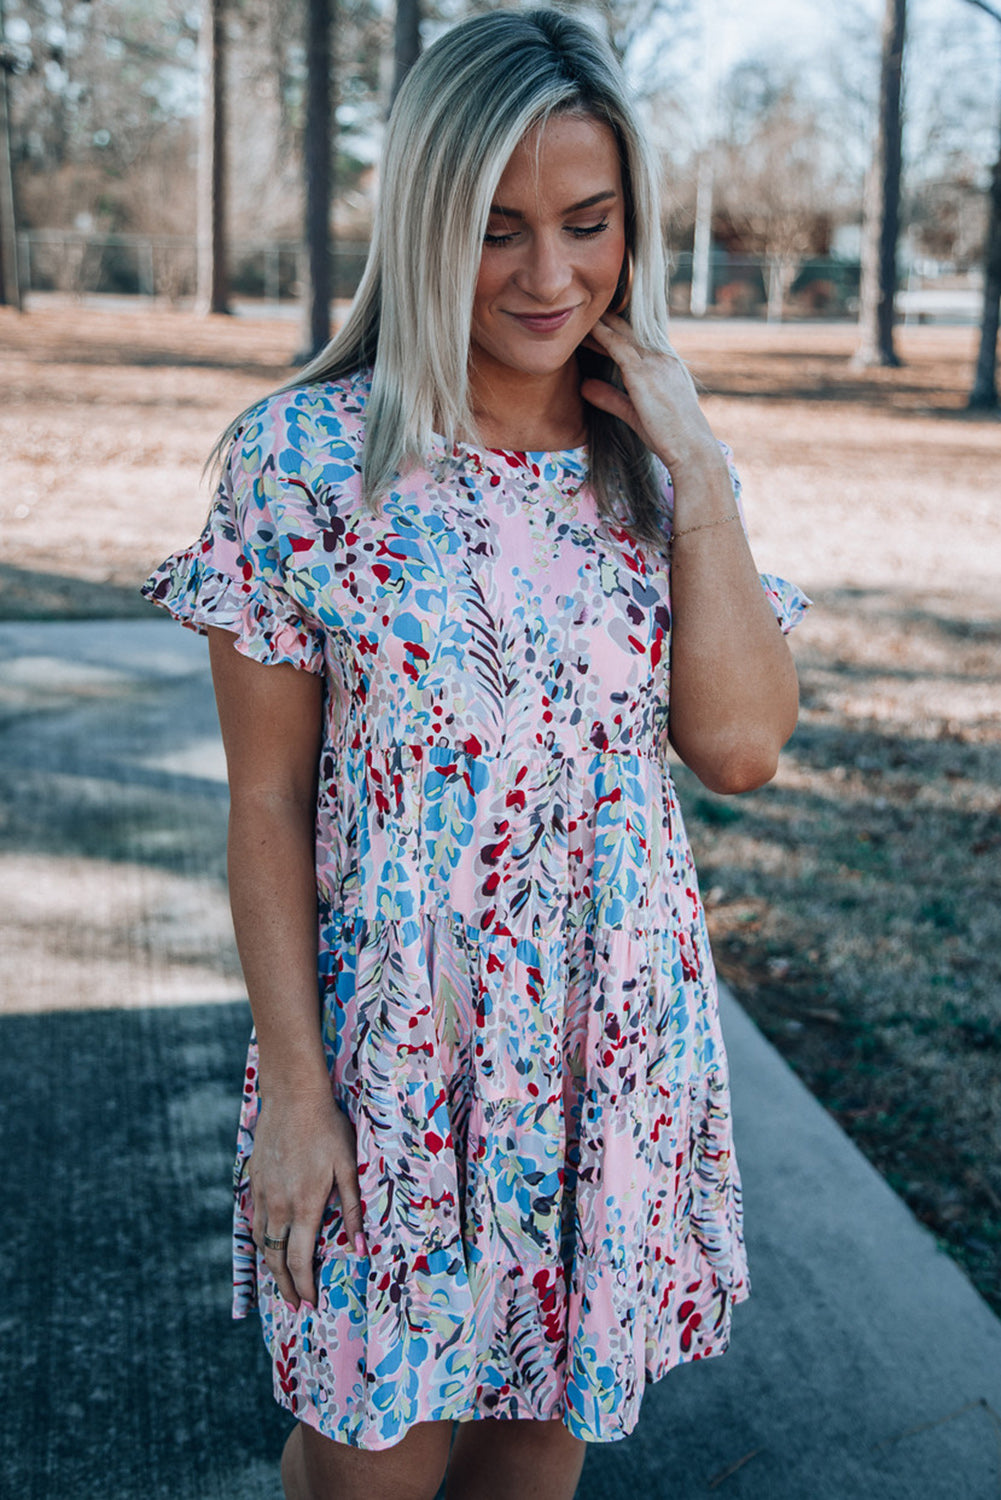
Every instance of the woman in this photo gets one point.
(444, 579)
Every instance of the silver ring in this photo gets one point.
(270, 1243)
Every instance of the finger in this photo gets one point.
(349, 1192)
(599, 393)
(616, 337)
(613, 333)
(258, 1208)
(299, 1260)
(275, 1258)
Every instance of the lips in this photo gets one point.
(544, 322)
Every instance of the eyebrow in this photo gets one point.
(515, 213)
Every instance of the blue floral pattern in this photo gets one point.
(517, 992)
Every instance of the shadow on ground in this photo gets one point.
(123, 1374)
(855, 904)
(30, 594)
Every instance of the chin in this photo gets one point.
(545, 367)
(532, 355)
(539, 360)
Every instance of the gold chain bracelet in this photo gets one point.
(705, 526)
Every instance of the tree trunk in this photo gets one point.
(702, 246)
(213, 272)
(318, 167)
(984, 396)
(10, 284)
(881, 219)
(406, 42)
(776, 288)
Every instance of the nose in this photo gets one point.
(545, 272)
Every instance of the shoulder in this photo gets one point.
(293, 429)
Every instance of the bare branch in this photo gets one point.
(989, 10)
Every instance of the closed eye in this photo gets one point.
(578, 231)
(588, 231)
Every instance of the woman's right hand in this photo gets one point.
(304, 1149)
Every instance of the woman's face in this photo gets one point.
(553, 250)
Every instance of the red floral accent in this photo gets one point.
(285, 1366)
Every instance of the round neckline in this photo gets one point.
(507, 461)
(574, 455)
(440, 440)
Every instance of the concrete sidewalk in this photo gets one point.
(864, 1365)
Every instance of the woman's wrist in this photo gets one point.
(292, 1073)
(677, 533)
(701, 460)
(281, 1087)
(703, 492)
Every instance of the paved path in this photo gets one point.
(864, 1365)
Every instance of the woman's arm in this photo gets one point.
(304, 1145)
(734, 695)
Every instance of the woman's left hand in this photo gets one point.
(659, 401)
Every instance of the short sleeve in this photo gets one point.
(787, 600)
(232, 575)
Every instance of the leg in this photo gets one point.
(495, 1459)
(316, 1468)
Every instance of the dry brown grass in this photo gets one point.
(855, 903)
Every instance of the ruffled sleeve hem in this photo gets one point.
(789, 602)
(266, 625)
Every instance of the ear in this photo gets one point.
(623, 287)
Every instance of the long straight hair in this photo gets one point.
(460, 113)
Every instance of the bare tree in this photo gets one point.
(10, 286)
(776, 183)
(406, 42)
(984, 395)
(881, 219)
(628, 21)
(702, 239)
(213, 274)
(318, 166)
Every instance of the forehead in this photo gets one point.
(555, 159)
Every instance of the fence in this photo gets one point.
(271, 272)
(165, 266)
(755, 286)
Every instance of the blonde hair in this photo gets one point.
(460, 113)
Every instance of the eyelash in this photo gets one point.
(583, 232)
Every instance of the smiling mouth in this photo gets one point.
(544, 322)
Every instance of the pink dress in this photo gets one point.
(517, 992)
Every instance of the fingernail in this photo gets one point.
(309, 1306)
(360, 1246)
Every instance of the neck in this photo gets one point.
(527, 413)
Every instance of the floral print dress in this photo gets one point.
(518, 999)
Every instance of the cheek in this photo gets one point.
(614, 253)
(600, 271)
(488, 285)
